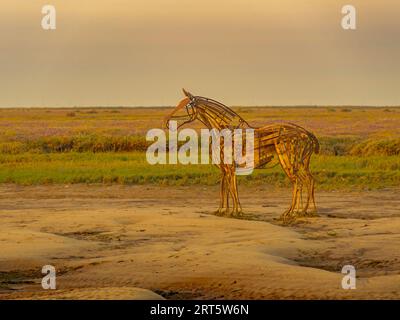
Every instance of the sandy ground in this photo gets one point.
(109, 241)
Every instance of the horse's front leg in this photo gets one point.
(237, 208)
(223, 200)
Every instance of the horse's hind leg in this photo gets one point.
(311, 191)
(298, 196)
(295, 209)
(304, 176)
(313, 194)
(289, 171)
(310, 184)
(295, 168)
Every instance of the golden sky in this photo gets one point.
(241, 52)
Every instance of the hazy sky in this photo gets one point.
(241, 52)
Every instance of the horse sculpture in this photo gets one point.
(292, 144)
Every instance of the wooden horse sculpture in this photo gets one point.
(293, 146)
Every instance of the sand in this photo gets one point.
(148, 242)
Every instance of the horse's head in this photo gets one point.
(184, 112)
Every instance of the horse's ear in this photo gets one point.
(187, 93)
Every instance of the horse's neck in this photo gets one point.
(213, 120)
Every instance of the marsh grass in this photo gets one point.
(360, 147)
(91, 142)
(370, 147)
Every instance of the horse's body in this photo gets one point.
(293, 146)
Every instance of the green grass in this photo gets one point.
(331, 172)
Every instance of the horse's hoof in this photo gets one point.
(287, 217)
(218, 212)
(237, 213)
(312, 214)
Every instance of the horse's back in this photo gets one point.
(273, 134)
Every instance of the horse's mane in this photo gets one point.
(217, 108)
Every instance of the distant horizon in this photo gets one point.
(231, 106)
